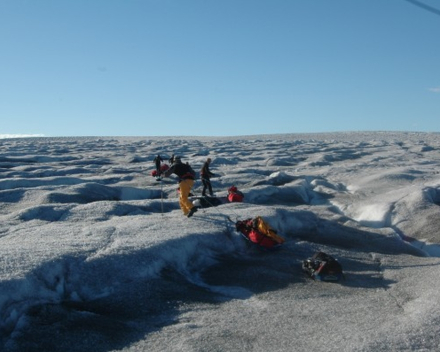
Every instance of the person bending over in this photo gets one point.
(186, 181)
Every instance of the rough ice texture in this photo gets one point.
(96, 252)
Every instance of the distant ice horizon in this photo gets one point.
(356, 132)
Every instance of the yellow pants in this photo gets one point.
(185, 189)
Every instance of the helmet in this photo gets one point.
(177, 159)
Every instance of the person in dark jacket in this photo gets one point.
(186, 181)
(205, 175)
(157, 160)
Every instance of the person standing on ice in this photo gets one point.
(186, 181)
(205, 175)
(157, 160)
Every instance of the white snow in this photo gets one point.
(95, 254)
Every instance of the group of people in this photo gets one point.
(187, 177)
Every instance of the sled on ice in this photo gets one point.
(259, 233)
(323, 267)
(234, 195)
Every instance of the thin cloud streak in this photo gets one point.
(5, 136)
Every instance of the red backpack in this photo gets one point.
(234, 195)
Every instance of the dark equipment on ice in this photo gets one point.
(206, 202)
(323, 267)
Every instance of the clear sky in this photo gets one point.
(218, 67)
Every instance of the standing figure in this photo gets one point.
(157, 160)
(186, 181)
(171, 160)
(205, 175)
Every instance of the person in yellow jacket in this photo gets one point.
(186, 181)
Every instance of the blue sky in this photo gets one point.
(218, 68)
